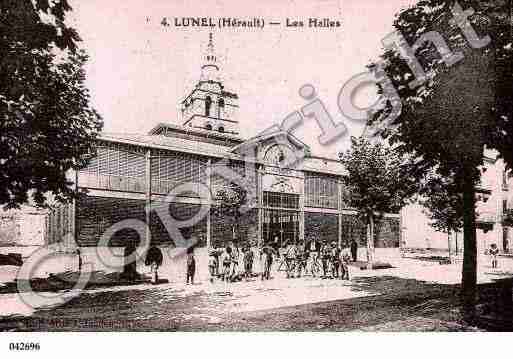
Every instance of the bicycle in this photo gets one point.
(293, 266)
(315, 266)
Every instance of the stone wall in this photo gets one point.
(96, 214)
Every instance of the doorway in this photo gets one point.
(281, 217)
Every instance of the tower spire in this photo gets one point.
(211, 57)
(209, 70)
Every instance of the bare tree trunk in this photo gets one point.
(469, 269)
(370, 242)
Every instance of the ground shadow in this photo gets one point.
(130, 309)
(67, 280)
(389, 299)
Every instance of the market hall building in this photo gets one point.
(131, 172)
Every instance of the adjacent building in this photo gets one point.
(494, 198)
(25, 227)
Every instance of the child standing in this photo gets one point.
(345, 258)
(335, 255)
(290, 259)
(266, 260)
(494, 252)
(79, 259)
(154, 273)
(227, 263)
(191, 265)
(326, 258)
(234, 272)
(248, 263)
(213, 265)
(302, 258)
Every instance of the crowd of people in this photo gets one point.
(316, 258)
(231, 263)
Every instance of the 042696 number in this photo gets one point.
(24, 346)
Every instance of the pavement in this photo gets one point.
(300, 303)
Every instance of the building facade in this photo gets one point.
(24, 227)
(131, 176)
(494, 199)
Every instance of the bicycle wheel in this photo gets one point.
(315, 268)
(292, 272)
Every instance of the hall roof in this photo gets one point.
(310, 163)
(168, 143)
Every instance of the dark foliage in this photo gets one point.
(47, 126)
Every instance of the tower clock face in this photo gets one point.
(278, 155)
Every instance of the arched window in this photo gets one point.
(281, 156)
(220, 107)
(208, 104)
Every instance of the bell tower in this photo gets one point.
(209, 106)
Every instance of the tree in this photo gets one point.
(457, 110)
(47, 125)
(229, 201)
(444, 204)
(376, 183)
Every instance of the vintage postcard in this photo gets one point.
(213, 166)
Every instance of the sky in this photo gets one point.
(139, 70)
